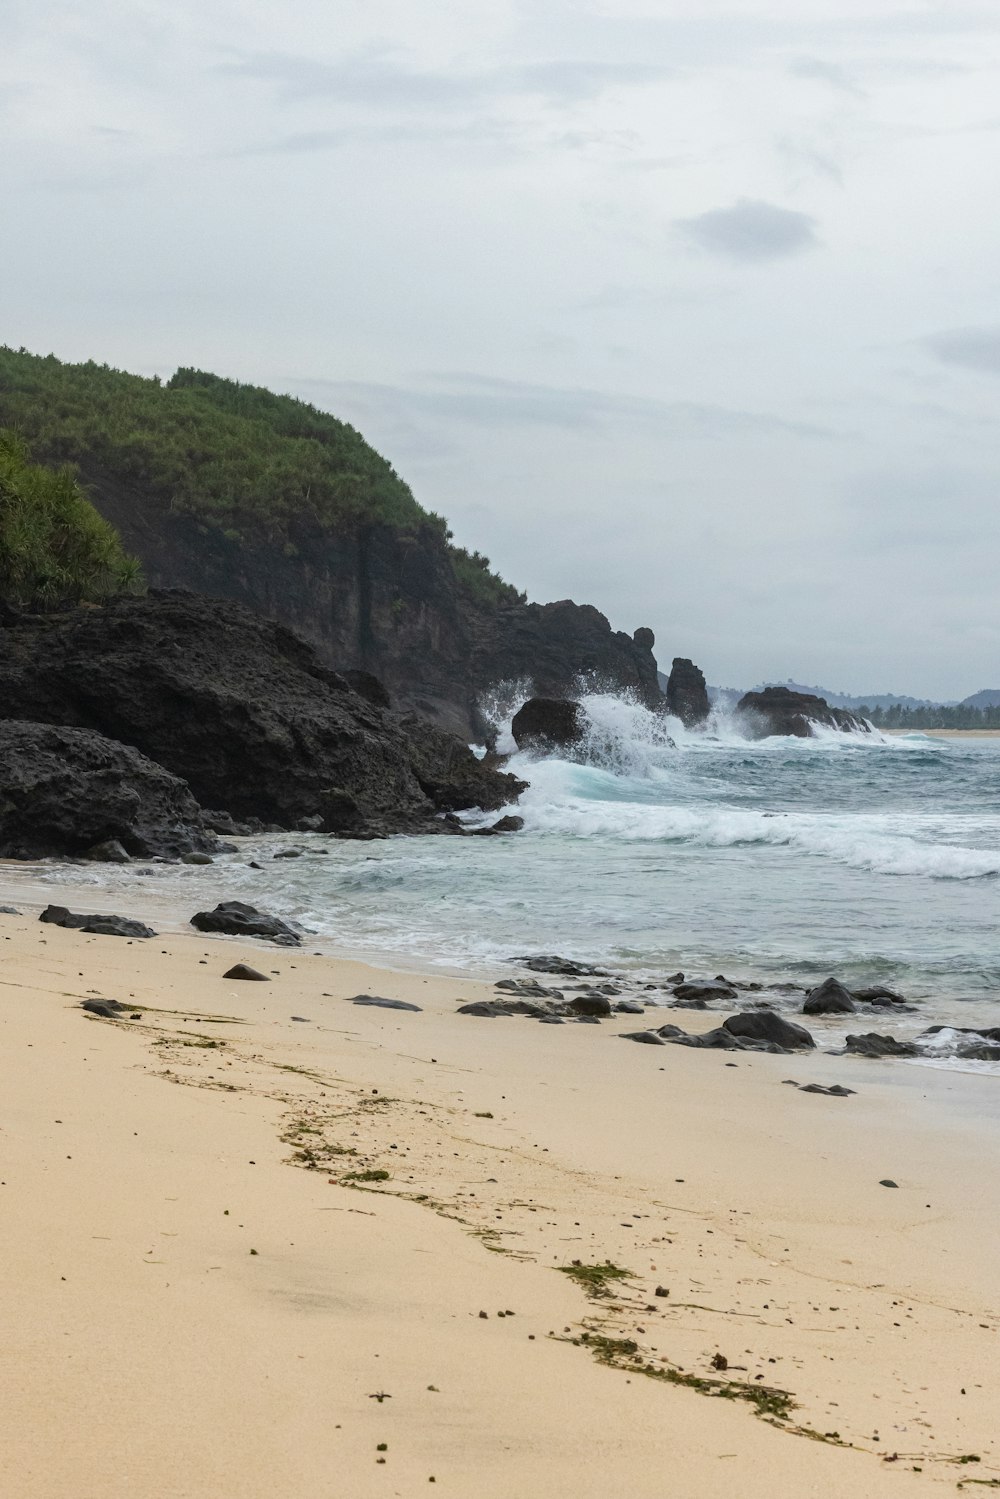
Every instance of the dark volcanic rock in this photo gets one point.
(72, 791)
(379, 1003)
(687, 694)
(547, 723)
(502, 825)
(590, 1004)
(836, 1091)
(107, 1009)
(552, 963)
(244, 711)
(244, 971)
(779, 710)
(645, 1038)
(693, 995)
(235, 919)
(874, 1045)
(9, 911)
(878, 994)
(829, 998)
(765, 1025)
(103, 926)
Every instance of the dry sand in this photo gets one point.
(188, 1316)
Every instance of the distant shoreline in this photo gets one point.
(948, 733)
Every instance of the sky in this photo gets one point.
(685, 309)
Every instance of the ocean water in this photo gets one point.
(870, 857)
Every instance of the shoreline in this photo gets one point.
(757, 1207)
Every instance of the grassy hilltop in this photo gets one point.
(237, 459)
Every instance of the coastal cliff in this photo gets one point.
(237, 493)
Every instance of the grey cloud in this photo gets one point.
(489, 402)
(973, 348)
(826, 72)
(378, 80)
(750, 230)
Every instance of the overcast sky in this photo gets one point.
(685, 309)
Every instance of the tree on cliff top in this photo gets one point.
(237, 459)
(54, 547)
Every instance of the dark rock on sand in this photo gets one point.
(874, 1045)
(244, 971)
(384, 1004)
(107, 1009)
(646, 1038)
(829, 998)
(235, 919)
(687, 694)
(546, 723)
(9, 911)
(692, 995)
(244, 711)
(765, 1025)
(102, 926)
(629, 1007)
(590, 1005)
(836, 1091)
(779, 710)
(73, 791)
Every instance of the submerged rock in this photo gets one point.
(566, 967)
(233, 918)
(829, 998)
(102, 926)
(873, 1045)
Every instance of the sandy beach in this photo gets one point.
(207, 1292)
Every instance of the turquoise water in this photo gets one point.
(873, 858)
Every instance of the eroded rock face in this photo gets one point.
(687, 694)
(779, 710)
(548, 723)
(244, 711)
(73, 791)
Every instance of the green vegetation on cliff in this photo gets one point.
(235, 458)
(55, 549)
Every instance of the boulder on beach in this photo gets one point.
(765, 1025)
(829, 998)
(548, 723)
(779, 710)
(103, 926)
(693, 995)
(233, 918)
(70, 791)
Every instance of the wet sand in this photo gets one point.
(206, 1292)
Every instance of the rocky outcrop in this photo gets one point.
(547, 723)
(687, 693)
(242, 710)
(779, 710)
(765, 1025)
(386, 601)
(73, 791)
